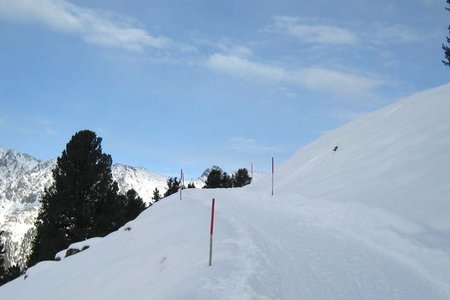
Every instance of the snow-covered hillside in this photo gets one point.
(22, 182)
(364, 222)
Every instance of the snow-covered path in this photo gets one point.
(315, 251)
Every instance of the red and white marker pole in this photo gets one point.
(273, 172)
(211, 232)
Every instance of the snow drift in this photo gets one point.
(367, 221)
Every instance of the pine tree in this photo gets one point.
(6, 274)
(241, 178)
(173, 185)
(191, 185)
(444, 47)
(214, 179)
(12, 273)
(133, 205)
(156, 195)
(226, 181)
(82, 202)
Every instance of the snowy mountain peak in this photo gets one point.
(13, 164)
(140, 179)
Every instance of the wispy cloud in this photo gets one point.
(248, 145)
(244, 68)
(312, 33)
(395, 34)
(100, 28)
(47, 126)
(2, 121)
(316, 33)
(231, 48)
(337, 82)
(314, 78)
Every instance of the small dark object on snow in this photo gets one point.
(127, 229)
(72, 251)
(335, 148)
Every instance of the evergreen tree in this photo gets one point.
(83, 201)
(156, 195)
(214, 179)
(134, 205)
(191, 185)
(241, 178)
(444, 47)
(11, 273)
(173, 185)
(219, 179)
(6, 274)
(226, 181)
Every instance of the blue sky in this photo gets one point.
(189, 84)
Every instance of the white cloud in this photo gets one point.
(243, 144)
(241, 67)
(229, 47)
(337, 82)
(104, 29)
(395, 34)
(313, 34)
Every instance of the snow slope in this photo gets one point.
(364, 222)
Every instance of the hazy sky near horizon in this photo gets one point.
(189, 84)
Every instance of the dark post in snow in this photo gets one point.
(181, 183)
(211, 232)
(273, 171)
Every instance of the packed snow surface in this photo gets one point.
(368, 221)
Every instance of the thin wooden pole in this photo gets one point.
(211, 232)
(273, 172)
(181, 183)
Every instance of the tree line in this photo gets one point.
(216, 178)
